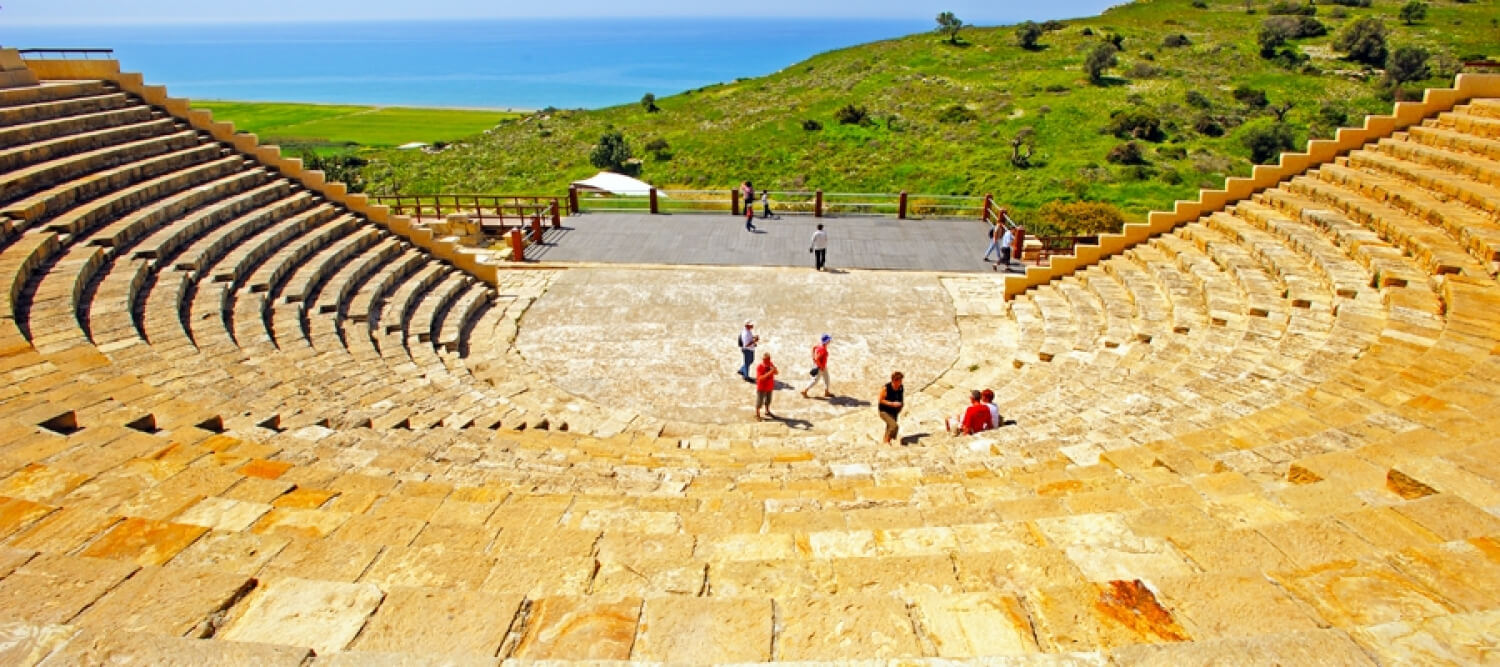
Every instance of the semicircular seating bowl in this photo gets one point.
(244, 423)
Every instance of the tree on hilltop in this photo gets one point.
(1414, 12)
(1027, 35)
(949, 25)
(612, 153)
(1100, 59)
(648, 102)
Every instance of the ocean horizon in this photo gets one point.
(485, 64)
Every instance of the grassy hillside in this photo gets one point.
(374, 127)
(754, 128)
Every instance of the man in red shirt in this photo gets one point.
(820, 365)
(975, 419)
(765, 383)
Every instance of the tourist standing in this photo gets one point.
(819, 247)
(892, 399)
(820, 367)
(1005, 241)
(765, 205)
(995, 233)
(749, 216)
(748, 339)
(765, 384)
(1017, 244)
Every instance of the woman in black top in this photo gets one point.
(892, 398)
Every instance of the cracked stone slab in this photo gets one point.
(168, 601)
(110, 647)
(52, 588)
(321, 615)
(439, 622)
(695, 630)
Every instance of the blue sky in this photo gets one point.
(16, 12)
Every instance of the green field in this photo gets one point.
(375, 127)
(941, 117)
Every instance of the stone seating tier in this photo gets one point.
(244, 424)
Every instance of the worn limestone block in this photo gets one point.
(972, 625)
(579, 628)
(439, 622)
(460, 538)
(308, 524)
(62, 531)
(433, 566)
(1465, 573)
(53, 588)
(10, 559)
(1352, 593)
(1315, 647)
(168, 601)
(1387, 529)
(1221, 606)
(17, 513)
(743, 546)
(912, 575)
(1231, 551)
(1103, 615)
(1459, 639)
(367, 659)
(1311, 542)
(1450, 517)
(41, 483)
(324, 559)
(101, 646)
(699, 630)
(26, 643)
(844, 627)
(304, 498)
(1016, 569)
(238, 553)
(540, 576)
(772, 578)
(635, 564)
(223, 514)
(320, 615)
(144, 541)
(367, 529)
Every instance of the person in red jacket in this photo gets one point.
(820, 367)
(765, 383)
(975, 419)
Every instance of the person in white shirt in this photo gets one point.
(748, 339)
(819, 247)
(1005, 242)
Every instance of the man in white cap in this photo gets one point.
(820, 367)
(748, 339)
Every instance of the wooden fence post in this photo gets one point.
(536, 229)
(517, 246)
(818, 204)
(572, 200)
(653, 201)
(901, 208)
(556, 215)
(989, 200)
(734, 202)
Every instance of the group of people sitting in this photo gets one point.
(981, 415)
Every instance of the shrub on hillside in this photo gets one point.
(1126, 153)
(1082, 218)
(1027, 35)
(1197, 99)
(1351, 3)
(648, 102)
(1267, 140)
(1406, 64)
(1101, 58)
(1144, 71)
(1200, 4)
(1172, 152)
(1053, 25)
(1174, 41)
(612, 153)
(811, 125)
(1338, 13)
(659, 149)
(1254, 98)
(1136, 123)
(852, 115)
(957, 113)
(1208, 126)
(1292, 8)
(1413, 12)
(1363, 41)
(346, 169)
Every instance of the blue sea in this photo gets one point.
(522, 64)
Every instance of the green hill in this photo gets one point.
(941, 117)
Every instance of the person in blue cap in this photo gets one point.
(820, 367)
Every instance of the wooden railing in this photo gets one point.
(817, 203)
(492, 212)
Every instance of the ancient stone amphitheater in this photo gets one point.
(249, 418)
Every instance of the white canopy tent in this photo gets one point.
(616, 184)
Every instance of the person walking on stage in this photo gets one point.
(892, 399)
(765, 385)
(819, 247)
(995, 233)
(749, 216)
(820, 367)
(1005, 242)
(765, 205)
(748, 339)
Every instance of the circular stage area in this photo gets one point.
(662, 342)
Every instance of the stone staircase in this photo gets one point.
(242, 423)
